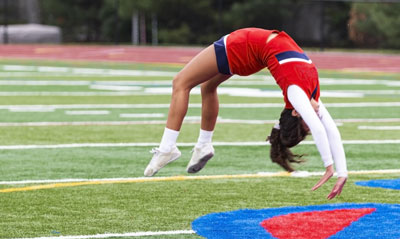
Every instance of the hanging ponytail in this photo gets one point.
(287, 134)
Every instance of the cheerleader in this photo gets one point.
(245, 52)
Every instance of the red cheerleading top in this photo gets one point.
(248, 52)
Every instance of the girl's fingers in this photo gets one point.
(337, 189)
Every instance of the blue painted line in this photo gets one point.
(381, 183)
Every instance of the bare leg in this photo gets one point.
(203, 150)
(201, 68)
(210, 103)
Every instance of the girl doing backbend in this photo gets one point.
(244, 52)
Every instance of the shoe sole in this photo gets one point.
(200, 165)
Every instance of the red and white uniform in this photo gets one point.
(248, 52)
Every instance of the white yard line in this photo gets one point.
(94, 106)
(87, 112)
(239, 80)
(167, 91)
(244, 92)
(31, 109)
(84, 71)
(138, 115)
(108, 235)
(161, 106)
(378, 127)
(83, 123)
(82, 93)
(45, 82)
(382, 120)
(188, 120)
(190, 144)
(116, 87)
(23, 70)
(362, 104)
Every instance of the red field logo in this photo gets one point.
(314, 224)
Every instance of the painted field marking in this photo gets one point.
(162, 106)
(381, 183)
(344, 220)
(108, 235)
(85, 71)
(74, 75)
(138, 115)
(33, 109)
(297, 174)
(187, 120)
(24, 70)
(379, 127)
(369, 120)
(135, 83)
(15, 70)
(116, 87)
(244, 92)
(95, 106)
(84, 182)
(140, 180)
(236, 80)
(18, 68)
(87, 112)
(68, 93)
(191, 144)
(81, 123)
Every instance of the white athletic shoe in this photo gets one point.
(200, 157)
(161, 159)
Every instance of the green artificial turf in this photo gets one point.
(170, 204)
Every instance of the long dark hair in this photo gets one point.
(289, 133)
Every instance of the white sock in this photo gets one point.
(204, 138)
(168, 140)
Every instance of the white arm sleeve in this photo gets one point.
(335, 140)
(302, 105)
(323, 129)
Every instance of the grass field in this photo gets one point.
(75, 139)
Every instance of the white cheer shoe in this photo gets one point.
(161, 159)
(200, 157)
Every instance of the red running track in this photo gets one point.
(181, 55)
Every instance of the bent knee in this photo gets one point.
(180, 84)
(207, 88)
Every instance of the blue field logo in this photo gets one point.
(381, 183)
(348, 220)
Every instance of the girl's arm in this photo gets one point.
(335, 140)
(302, 105)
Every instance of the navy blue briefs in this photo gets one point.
(222, 59)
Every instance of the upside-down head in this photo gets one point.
(290, 132)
